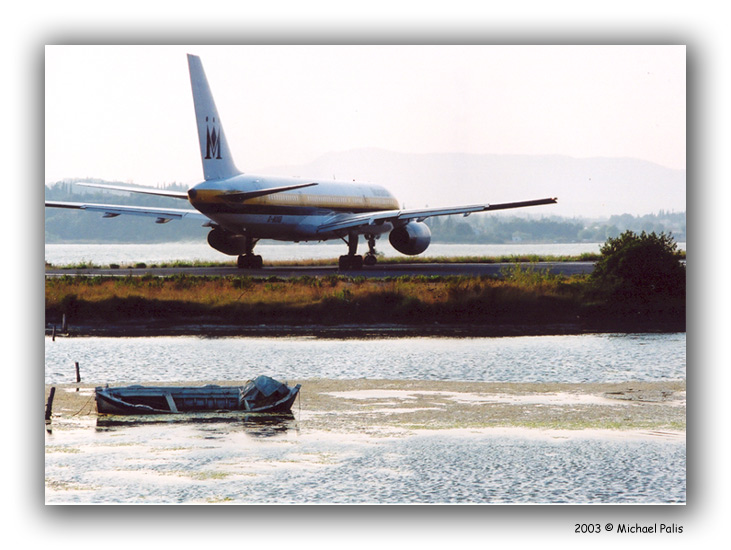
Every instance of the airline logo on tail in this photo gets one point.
(213, 143)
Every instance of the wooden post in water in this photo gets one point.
(53, 334)
(78, 374)
(64, 328)
(49, 404)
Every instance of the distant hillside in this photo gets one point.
(591, 188)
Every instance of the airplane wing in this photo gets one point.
(350, 221)
(162, 215)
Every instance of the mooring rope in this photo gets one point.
(84, 406)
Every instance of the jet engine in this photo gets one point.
(411, 239)
(227, 242)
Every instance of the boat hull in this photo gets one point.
(263, 394)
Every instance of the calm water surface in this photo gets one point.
(573, 358)
(245, 461)
(189, 463)
(104, 254)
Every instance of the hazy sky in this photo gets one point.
(126, 113)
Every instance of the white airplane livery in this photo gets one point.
(243, 208)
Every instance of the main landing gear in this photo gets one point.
(354, 261)
(249, 260)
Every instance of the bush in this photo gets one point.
(643, 266)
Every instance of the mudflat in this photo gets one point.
(382, 407)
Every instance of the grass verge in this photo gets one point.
(522, 295)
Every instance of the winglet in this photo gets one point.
(523, 204)
(215, 153)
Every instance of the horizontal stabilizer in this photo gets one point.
(162, 215)
(143, 190)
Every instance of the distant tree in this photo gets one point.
(643, 266)
(463, 230)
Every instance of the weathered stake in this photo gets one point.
(49, 404)
(78, 374)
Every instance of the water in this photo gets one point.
(245, 460)
(573, 358)
(104, 254)
(212, 463)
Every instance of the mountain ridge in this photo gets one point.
(587, 187)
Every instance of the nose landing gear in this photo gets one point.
(370, 258)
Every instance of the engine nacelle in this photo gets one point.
(411, 239)
(227, 242)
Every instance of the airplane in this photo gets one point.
(242, 209)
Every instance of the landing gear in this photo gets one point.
(354, 261)
(249, 260)
(351, 260)
(370, 257)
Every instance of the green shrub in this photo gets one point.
(643, 266)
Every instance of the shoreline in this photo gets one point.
(386, 330)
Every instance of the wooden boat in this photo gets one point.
(263, 394)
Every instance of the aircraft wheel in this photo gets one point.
(350, 262)
(370, 259)
(249, 261)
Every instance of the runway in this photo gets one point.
(376, 271)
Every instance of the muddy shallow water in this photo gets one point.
(383, 441)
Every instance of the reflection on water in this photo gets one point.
(268, 425)
(255, 425)
(218, 457)
(572, 358)
(276, 463)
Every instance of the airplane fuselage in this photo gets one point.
(294, 215)
(242, 208)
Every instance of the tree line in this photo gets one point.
(62, 225)
(511, 229)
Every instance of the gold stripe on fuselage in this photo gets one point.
(210, 197)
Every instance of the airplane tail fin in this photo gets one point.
(215, 153)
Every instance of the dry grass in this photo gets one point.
(218, 291)
(520, 296)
